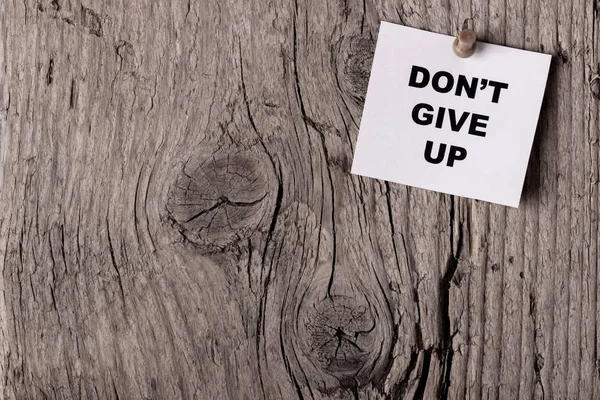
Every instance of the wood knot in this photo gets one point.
(91, 21)
(127, 57)
(345, 338)
(354, 65)
(221, 198)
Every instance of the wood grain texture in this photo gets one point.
(178, 219)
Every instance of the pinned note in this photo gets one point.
(462, 126)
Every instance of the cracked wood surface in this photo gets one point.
(178, 219)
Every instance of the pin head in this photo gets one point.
(464, 45)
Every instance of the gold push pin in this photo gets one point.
(464, 45)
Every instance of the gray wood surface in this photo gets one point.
(178, 219)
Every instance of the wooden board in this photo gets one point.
(178, 219)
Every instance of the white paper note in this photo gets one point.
(459, 126)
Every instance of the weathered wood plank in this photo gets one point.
(178, 219)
